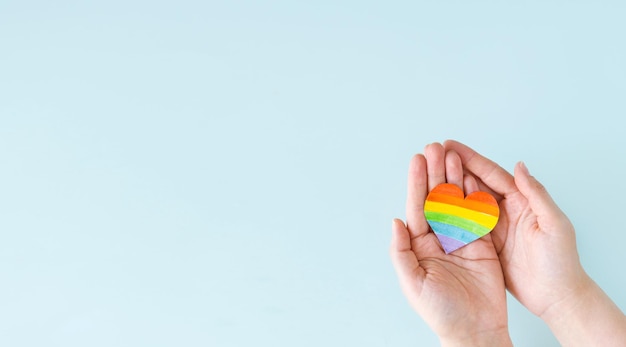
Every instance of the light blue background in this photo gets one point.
(224, 173)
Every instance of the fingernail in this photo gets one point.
(524, 168)
(397, 220)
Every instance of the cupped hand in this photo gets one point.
(460, 295)
(534, 239)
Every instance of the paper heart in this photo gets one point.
(456, 220)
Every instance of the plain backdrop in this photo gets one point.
(225, 173)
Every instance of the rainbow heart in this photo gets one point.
(456, 220)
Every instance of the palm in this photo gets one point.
(527, 252)
(468, 283)
(511, 240)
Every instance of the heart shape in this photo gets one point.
(459, 220)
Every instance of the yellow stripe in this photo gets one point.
(483, 219)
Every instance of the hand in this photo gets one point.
(536, 245)
(461, 295)
(534, 239)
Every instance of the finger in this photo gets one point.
(470, 183)
(483, 187)
(486, 170)
(404, 259)
(538, 197)
(417, 191)
(435, 159)
(454, 169)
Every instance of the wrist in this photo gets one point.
(571, 304)
(499, 337)
(588, 317)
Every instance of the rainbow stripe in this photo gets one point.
(456, 220)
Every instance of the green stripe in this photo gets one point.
(459, 222)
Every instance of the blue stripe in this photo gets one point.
(453, 232)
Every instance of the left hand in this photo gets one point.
(460, 295)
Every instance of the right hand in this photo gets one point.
(534, 239)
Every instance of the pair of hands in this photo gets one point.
(531, 252)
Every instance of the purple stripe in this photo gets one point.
(449, 244)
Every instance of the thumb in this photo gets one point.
(404, 259)
(538, 197)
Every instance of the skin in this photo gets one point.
(461, 295)
(536, 246)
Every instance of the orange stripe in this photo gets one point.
(448, 189)
(483, 197)
(469, 204)
(444, 198)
